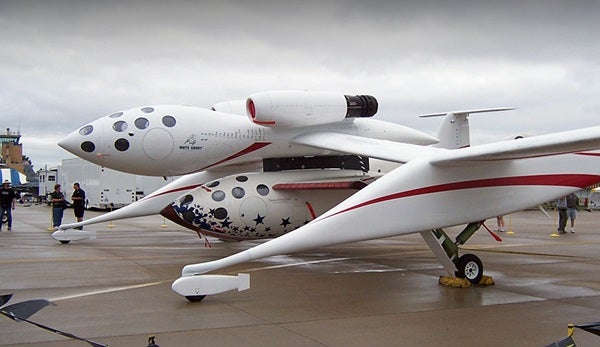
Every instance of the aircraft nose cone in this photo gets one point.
(70, 142)
(83, 142)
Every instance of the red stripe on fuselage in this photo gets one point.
(589, 153)
(186, 188)
(253, 147)
(563, 180)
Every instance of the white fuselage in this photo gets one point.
(177, 140)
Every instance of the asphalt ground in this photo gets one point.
(116, 289)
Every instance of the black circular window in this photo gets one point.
(122, 145)
(238, 192)
(86, 130)
(213, 184)
(241, 178)
(148, 110)
(186, 200)
(169, 121)
(220, 213)
(88, 146)
(218, 195)
(262, 189)
(120, 126)
(116, 115)
(141, 123)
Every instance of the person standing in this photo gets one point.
(58, 206)
(572, 205)
(500, 223)
(8, 197)
(78, 198)
(561, 205)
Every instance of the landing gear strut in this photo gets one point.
(467, 266)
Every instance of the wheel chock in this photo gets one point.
(458, 282)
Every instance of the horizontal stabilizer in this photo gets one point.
(483, 110)
(210, 284)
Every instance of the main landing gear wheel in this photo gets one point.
(470, 267)
(195, 298)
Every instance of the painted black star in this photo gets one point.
(285, 221)
(267, 229)
(226, 223)
(259, 220)
(211, 212)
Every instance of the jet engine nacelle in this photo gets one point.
(233, 107)
(288, 109)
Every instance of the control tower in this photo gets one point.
(12, 150)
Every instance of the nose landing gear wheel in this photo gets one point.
(470, 267)
(195, 298)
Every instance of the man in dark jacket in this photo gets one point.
(78, 198)
(7, 203)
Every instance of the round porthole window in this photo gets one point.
(220, 213)
(142, 123)
(262, 189)
(120, 126)
(86, 130)
(218, 195)
(186, 200)
(169, 121)
(122, 145)
(88, 146)
(238, 192)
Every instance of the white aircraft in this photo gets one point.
(224, 196)
(314, 191)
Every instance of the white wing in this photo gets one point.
(530, 147)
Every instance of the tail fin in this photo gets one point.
(454, 130)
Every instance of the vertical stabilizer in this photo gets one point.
(454, 131)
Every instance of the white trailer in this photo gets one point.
(105, 188)
(47, 180)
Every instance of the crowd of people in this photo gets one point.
(9, 197)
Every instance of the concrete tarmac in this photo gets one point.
(116, 289)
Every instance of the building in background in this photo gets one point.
(15, 166)
(104, 188)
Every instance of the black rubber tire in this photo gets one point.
(470, 267)
(64, 242)
(195, 298)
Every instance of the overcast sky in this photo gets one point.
(65, 63)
